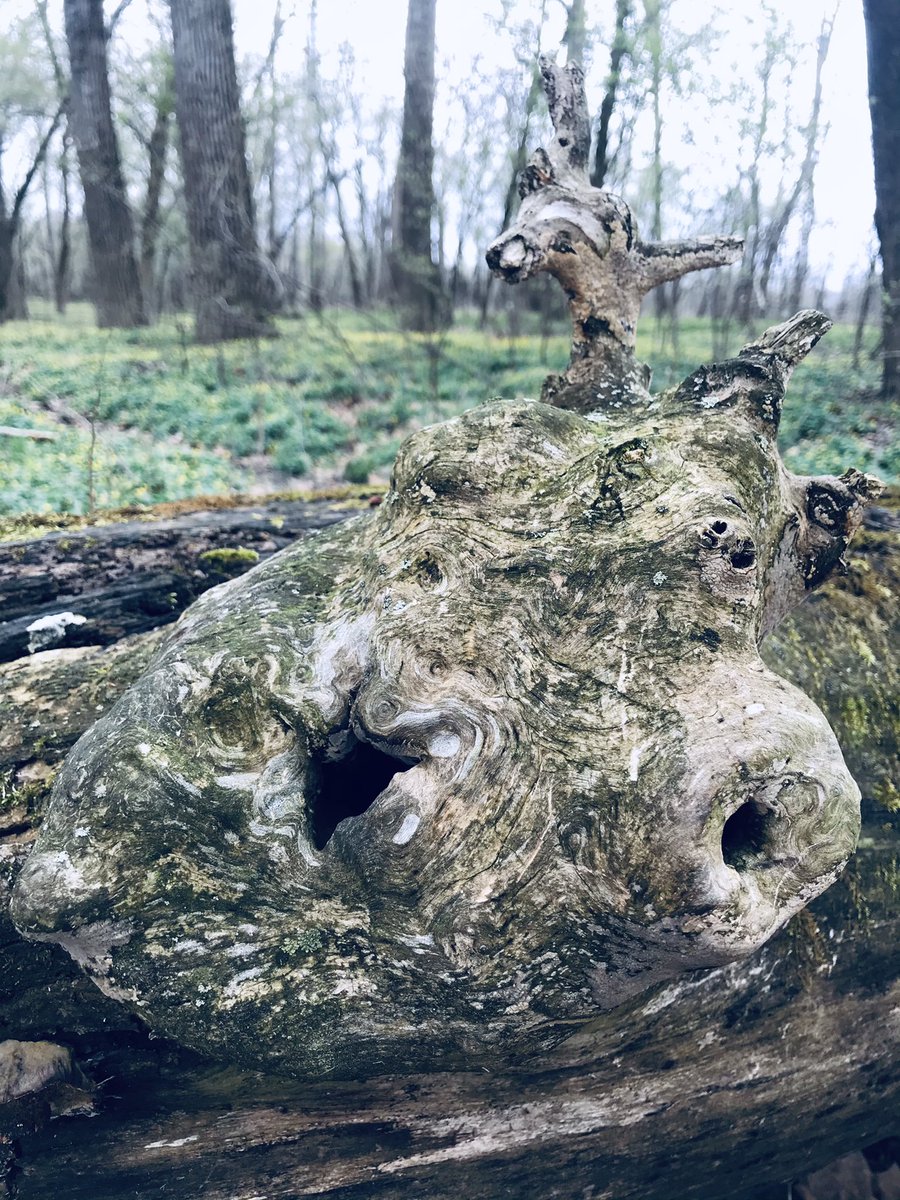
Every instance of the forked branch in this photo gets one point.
(588, 240)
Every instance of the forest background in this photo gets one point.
(708, 119)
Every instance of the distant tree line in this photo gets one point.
(240, 192)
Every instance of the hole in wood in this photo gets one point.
(719, 526)
(746, 835)
(743, 555)
(351, 785)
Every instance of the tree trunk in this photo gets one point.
(11, 292)
(60, 265)
(157, 150)
(883, 40)
(618, 51)
(17, 296)
(862, 313)
(93, 586)
(234, 291)
(7, 243)
(417, 279)
(116, 282)
(575, 36)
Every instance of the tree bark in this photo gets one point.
(62, 266)
(416, 277)
(157, 150)
(883, 42)
(7, 242)
(116, 282)
(235, 292)
(575, 36)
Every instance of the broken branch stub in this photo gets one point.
(588, 240)
(426, 790)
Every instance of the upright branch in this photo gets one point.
(588, 240)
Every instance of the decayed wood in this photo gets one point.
(490, 808)
(412, 847)
(95, 585)
(726, 1083)
(588, 240)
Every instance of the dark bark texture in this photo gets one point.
(235, 290)
(618, 51)
(416, 276)
(730, 1082)
(116, 282)
(93, 586)
(883, 41)
(7, 240)
(12, 295)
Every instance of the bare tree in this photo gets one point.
(883, 40)
(235, 291)
(11, 214)
(416, 276)
(116, 282)
(801, 195)
(157, 152)
(575, 38)
(530, 106)
(59, 248)
(618, 51)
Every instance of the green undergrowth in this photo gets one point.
(334, 395)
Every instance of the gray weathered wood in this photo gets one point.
(734, 1080)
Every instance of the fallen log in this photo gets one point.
(96, 584)
(775, 1066)
(34, 435)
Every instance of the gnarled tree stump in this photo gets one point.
(440, 793)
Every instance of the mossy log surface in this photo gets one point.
(740, 1077)
(483, 824)
(758, 1070)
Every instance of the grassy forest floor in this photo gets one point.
(143, 416)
